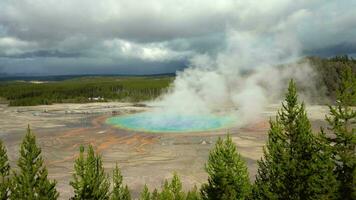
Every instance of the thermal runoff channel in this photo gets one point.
(161, 122)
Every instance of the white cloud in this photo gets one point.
(11, 46)
(146, 52)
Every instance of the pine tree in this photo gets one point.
(193, 194)
(4, 173)
(126, 195)
(342, 120)
(166, 192)
(90, 180)
(145, 194)
(269, 183)
(155, 195)
(228, 175)
(32, 182)
(119, 192)
(296, 163)
(176, 187)
(172, 190)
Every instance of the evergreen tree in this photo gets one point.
(296, 163)
(32, 182)
(193, 194)
(228, 175)
(166, 192)
(342, 120)
(269, 183)
(145, 194)
(172, 190)
(126, 195)
(90, 180)
(155, 195)
(176, 187)
(119, 192)
(4, 173)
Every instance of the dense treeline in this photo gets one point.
(329, 71)
(297, 163)
(83, 90)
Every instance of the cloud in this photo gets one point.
(157, 32)
(146, 52)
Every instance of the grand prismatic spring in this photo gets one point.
(159, 122)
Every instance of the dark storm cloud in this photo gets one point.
(340, 49)
(157, 35)
(43, 53)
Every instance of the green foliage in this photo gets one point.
(145, 194)
(155, 195)
(193, 194)
(32, 182)
(271, 171)
(119, 192)
(296, 163)
(166, 192)
(172, 190)
(330, 72)
(83, 90)
(90, 180)
(228, 175)
(342, 120)
(4, 173)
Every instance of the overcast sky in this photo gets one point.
(157, 36)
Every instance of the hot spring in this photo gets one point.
(158, 122)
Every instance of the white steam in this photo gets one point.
(241, 79)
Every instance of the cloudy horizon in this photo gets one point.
(158, 36)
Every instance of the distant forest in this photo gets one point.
(105, 88)
(329, 71)
(83, 90)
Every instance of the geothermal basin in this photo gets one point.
(144, 157)
(171, 122)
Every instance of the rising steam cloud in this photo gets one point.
(251, 72)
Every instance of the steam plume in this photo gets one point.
(241, 79)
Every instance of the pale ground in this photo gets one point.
(143, 157)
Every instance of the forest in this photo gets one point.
(297, 163)
(83, 90)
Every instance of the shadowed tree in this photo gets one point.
(119, 191)
(90, 180)
(4, 173)
(155, 195)
(342, 120)
(31, 181)
(228, 175)
(296, 164)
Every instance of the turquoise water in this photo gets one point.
(157, 122)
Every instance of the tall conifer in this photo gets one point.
(119, 191)
(90, 180)
(4, 173)
(145, 194)
(228, 175)
(31, 182)
(296, 163)
(171, 190)
(342, 122)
